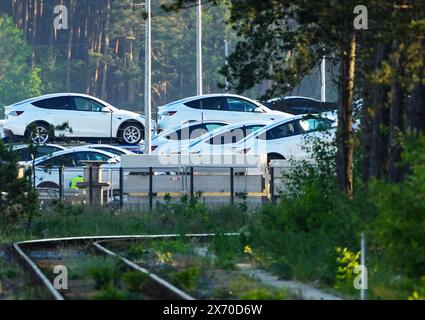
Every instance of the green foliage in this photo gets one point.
(105, 272)
(347, 261)
(18, 80)
(263, 294)
(18, 200)
(109, 293)
(186, 279)
(401, 213)
(135, 280)
(227, 251)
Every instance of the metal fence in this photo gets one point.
(145, 185)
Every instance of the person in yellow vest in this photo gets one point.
(74, 181)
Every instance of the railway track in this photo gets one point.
(39, 258)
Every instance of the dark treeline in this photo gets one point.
(102, 51)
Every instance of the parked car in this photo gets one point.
(226, 107)
(285, 139)
(183, 134)
(86, 116)
(301, 105)
(25, 153)
(217, 141)
(46, 168)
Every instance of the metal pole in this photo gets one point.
(363, 263)
(121, 187)
(199, 49)
(61, 183)
(226, 55)
(323, 89)
(232, 186)
(192, 189)
(90, 185)
(150, 188)
(148, 67)
(271, 169)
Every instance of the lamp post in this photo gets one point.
(199, 49)
(148, 66)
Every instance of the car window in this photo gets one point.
(315, 124)
(190, 132)
(66, 160)
(213, 126)
(234, 135)
(84, 104)
(284, 130)
(111, 150)
(58, 103)
(90, 156)
(24, 154)
(195, 104)
(236, 104)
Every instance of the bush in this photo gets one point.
(400, 223)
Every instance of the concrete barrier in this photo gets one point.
(193, 173)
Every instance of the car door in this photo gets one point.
(47, 172)
(57, 112)
(89, 118)
(283, 139)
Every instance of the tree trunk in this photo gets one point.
(345, 138)
(378, 160)
(395, 171)
(105, 52)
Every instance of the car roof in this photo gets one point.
(279, 122)
(56, 95)
(211, 95)
(72, 150)
(230, 127)
(292, 98)
(97, 146)
(23, 146)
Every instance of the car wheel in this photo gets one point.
(48, 185)
(274, 156)
(39, 134)
(132, 133)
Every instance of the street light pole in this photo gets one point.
(148, 66)
(323, 89)
(199, 49)
(226, 56)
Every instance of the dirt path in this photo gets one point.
(295, 287)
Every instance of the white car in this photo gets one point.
(46, 168)
(183, 134)
(226, 107)
(86, 116)
(218, 141)
(285, 139)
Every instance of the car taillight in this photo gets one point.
(243, 151)
(15, 113)
(169, 113)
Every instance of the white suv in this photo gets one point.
(226, 107)
(86, 116)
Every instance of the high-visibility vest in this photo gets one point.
(74, 181)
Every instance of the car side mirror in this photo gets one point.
(258, 110)
(106, 109)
